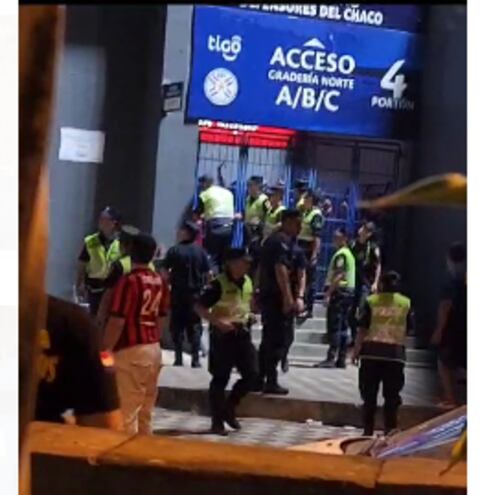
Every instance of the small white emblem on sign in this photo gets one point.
(221, 87)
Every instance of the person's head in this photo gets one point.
(300, 186)
(456, 259)
(205, 182)
(237, 262)
(188, 232)
(143, 249)
(275, 194)
(340, 238)
(254, 185)
(366, 232)
(126, 238)
(390, 282)
(310, 199)
(109, 222)
(291, 222)
(327, 207)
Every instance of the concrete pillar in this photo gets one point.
(178, 142)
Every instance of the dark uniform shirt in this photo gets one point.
(188, 264)
(367, 257)
(74, 374)
(277, 249)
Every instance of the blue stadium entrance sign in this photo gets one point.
(257, 68)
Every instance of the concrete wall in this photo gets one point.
(109, 80)
(442, 148)
(178, 142)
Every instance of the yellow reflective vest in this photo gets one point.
(126, 264)
(306, 233)
(100, 259)
(234, 305)
(254, 211)
(218, 203)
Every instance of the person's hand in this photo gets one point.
(374, 288)
(299, 305)
(238, 216)
(81, 293)
(224, 326)
(313, 261)
(327, 299)
(355, 356)
(288, 306)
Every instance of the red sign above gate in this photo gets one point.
(256, 136)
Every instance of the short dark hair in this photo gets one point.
(191, 228)
(290, 214)
(232, 254)
(457, 253)
(205, 179)
(144, 247)
(391, 281)
(256, 179)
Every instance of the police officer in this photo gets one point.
(339, 298)
(216, 205)
(300, 188)
(256, 208)
(272, 221)
(368, 268)
(309, 240)
(98, 253)
(190, 270)
(226, 304)
(278, 300)
(380, 346)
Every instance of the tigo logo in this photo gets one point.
(229, 48)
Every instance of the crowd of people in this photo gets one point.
(131, 288)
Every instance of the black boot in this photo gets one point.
(275, 389)
(230, 417)
(218, 428)
(195, 363)
(178, 358)
(329, 362)
(285, 365)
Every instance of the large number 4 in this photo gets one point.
(394, 82)
(150, 304)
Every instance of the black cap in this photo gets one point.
(232, 254)
(128, 232)
(300, 184)
(256, 179)
(112, 213)
(275, 188)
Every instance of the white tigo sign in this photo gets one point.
(80, 145)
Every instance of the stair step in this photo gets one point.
(319, 351)
(305, 362)
(316, 336)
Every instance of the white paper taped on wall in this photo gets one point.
(80, 145)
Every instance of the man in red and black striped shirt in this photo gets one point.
(139, 305)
